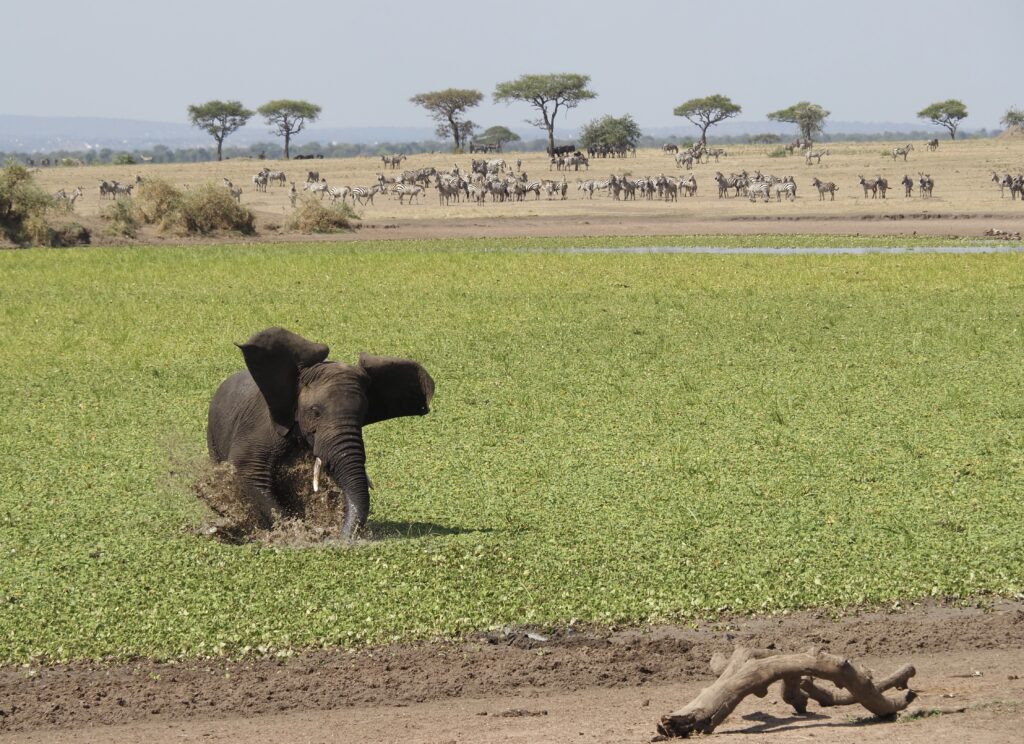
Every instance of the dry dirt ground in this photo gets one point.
(965, 203)
(578, 685)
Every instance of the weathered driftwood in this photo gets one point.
(752, 671)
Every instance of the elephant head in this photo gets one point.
(323, 405)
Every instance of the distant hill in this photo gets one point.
(48, 133)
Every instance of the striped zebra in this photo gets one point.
(236, 193)
(278, 177)
(315, 187)
(293, 194)
(904, 151)
(824, 187)
(366, 193)
(925, 185)
(407, 190)
(908, 186)
(786, 186)
(816, 154)
(689, 186)
(933, 144)
(883, 185)
(69, 199)
(871, 186)
(341, 192)
(260, 181)
(759, 188)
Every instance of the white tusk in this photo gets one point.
(316, 475)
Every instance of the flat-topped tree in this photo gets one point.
(219, 118)
(615, 133)
(946, 114)
(288, 117)
(809, 117)
(497, 135)
(706, 112)
(447, 107)
(548, 94)
(1013, 117)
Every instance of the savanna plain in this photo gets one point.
(639, 459)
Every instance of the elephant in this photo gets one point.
(292, 401)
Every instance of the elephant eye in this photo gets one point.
(315, 411)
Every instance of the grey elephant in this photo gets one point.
(291, 401)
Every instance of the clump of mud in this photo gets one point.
(306, 517)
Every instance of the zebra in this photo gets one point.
(756, 188)
(236, 193)
(366, 193)
(883, 185)
(926, 184)
(689, 186)
(404, 190)
(786, 186)
(684, 158)
(106, 190)
(716, 153)
(1007, 180)
(908, 186)
(277, 176)
(392, 161)
(341, 192)
(260, 181)
(314, 187)
(312, 176)
(293, 194)
(933, 144)
(670, 148)
(815, 154)
(904, 151)
(871, 186)
(69, 199)
(824, 187)
(122, 189)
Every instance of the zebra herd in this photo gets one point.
(623, 188)
(756, 186)
(115, 189)
(1014, 183)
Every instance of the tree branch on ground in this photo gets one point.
(752, 671)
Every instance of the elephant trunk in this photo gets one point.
(344, 456)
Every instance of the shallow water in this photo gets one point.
(765, 250)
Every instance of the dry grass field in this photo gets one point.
(962, 172)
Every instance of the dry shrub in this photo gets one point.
(201, 210)
(210, 208)
(306, 518)
(155, 201)
(23, 207)
(313, 216)
(122, 217)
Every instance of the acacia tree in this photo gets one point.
(946, 114)
(446, 107)
(497, 135)
(706, 112)
(809, 117)
(219, 118)
(288, 117)
(1013, 117)
(548, 94)
(612, 132)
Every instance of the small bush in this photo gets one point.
(201, 210)
(122, 217)
(778, 152)
(155, 201)
(124, 158)
(209, 208)
(23, 207)
(313, 216)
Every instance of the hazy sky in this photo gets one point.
(361, 61)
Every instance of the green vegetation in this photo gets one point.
(708, 111)
(288, 117)
(615, 438)
(810, 117)
(219, 119)
(614, 133)
(447, 108)
(548, 94)
(946, 114)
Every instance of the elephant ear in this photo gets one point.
(274, 358)
(398, 387)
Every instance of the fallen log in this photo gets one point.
(752, 671)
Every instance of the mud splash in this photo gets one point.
(307, 518)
